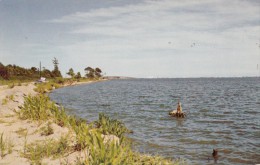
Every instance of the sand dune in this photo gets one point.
(20, 132)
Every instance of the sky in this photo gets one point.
(135, 38)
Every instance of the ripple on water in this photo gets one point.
(240, 160)
(192, 141)
(204, 110)
(252, 112)
(216, 121)
(222, 113)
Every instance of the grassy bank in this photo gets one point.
(46, 86)
(95, 138)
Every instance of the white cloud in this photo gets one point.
(156, 29)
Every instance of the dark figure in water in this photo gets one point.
(178, 112)
(215, 155)
(179, 108)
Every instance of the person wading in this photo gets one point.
(179, 108)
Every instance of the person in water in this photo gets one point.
(179, 108)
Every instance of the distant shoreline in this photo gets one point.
(180, 77)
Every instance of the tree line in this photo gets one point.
(16, 72)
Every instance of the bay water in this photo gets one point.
(222, 113)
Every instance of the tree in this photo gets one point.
(78, 76)
(34, 69)
(71, 73)
(98, 72)
(3, 72)
(56, 71)
(90, 72)
(93, 73)
(47, 73)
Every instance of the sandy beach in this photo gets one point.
(34, 130)
(17, 132)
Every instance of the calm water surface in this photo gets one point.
(222, 113)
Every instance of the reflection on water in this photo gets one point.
(222, 114)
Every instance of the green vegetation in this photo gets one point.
(13, 82)
(48, 130)
(103, 141)
(56, 83)
(93, 73)
(111, 126)
(13, 75)
(17, 73)
(6, 146)
(56, 71)
(11, 85)
(87, 136)
(22, 131)
(36, 108)
(7, 98)
(4, 101)
(48, 86)
(71, 73)
(40, 108)
(14, 72)
(111, 153)
(78, 76)
(48, 148)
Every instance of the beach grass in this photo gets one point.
(88, 137)
(47, 130)
(35, 152)
(111, 126)
(14, 82)
(7, 99)
(46, 87)
(59, 82)
(22, 131)
(4, 101)
(6, 146)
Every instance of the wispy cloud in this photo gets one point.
(168, 28)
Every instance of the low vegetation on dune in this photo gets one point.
(111, 126)
(46, 87)
(6, 146)
(89, 138)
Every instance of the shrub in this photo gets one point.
(45, 87)
(41, 108)
(59, 80)
(82, 136)
(36, 108)
(111, 126)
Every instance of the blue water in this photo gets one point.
(223, 113)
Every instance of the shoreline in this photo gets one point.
(22, 138)
(14, 129)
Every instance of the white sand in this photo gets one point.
(10, 124)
